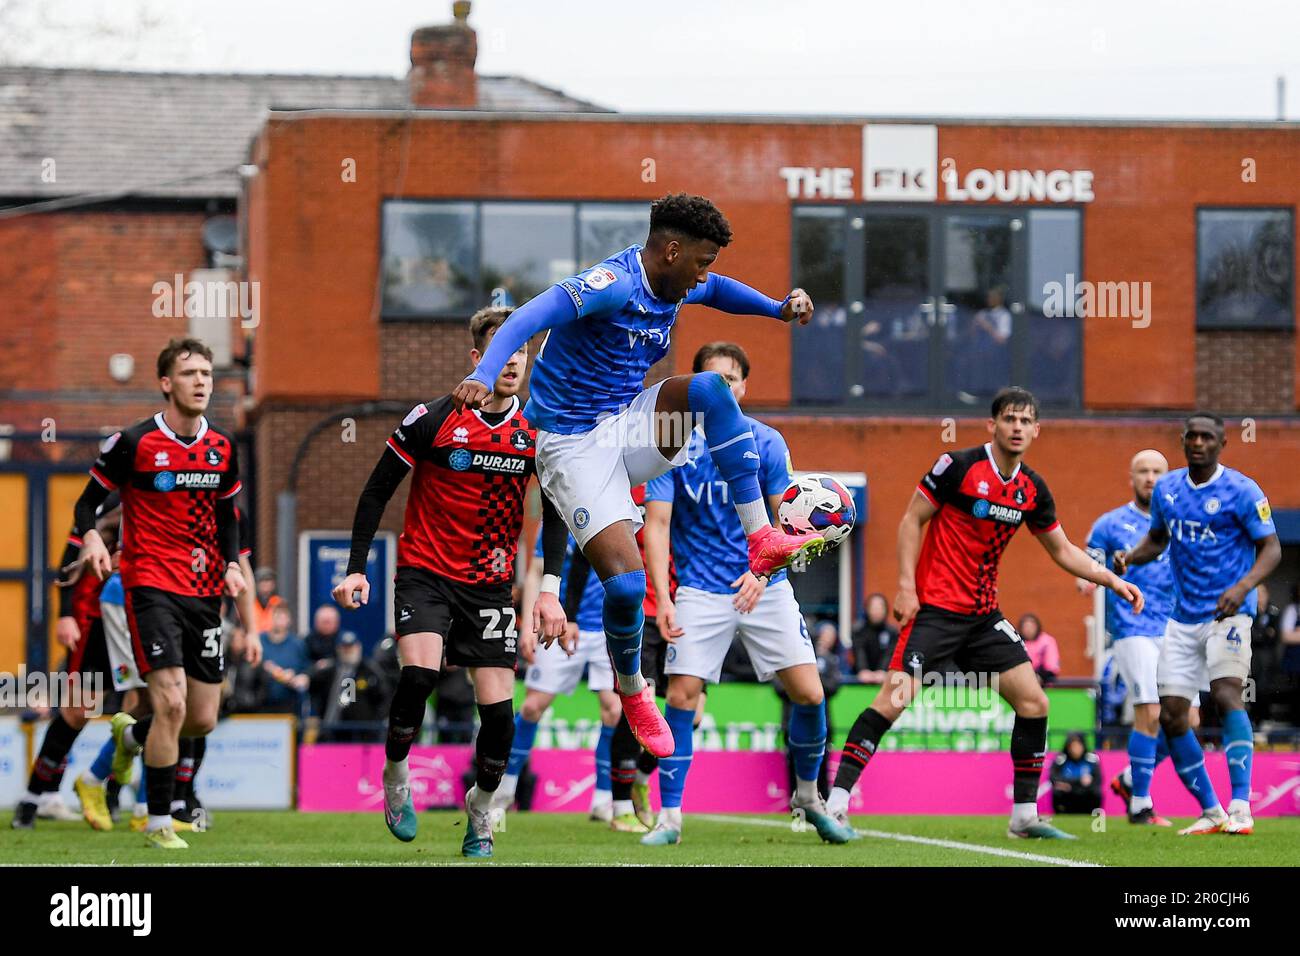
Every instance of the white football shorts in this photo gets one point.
(774, 633)
(1193, 655)
(590, 476)
(555, 672)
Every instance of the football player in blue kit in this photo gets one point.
(1136, 638)
(1218, 527)
(601, 431)
(718, 599)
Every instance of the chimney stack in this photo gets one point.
(442, 64)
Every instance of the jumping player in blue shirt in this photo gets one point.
(1222, 543)
(600, 432)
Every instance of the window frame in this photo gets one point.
(478, 202)
(1202, 325)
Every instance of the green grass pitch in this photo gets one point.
(290, 838)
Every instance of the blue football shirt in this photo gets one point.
(708, 543)
(1120, 530)
(1212, 533)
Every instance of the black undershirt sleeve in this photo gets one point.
(83, 513)
(227, 530)
(70, 553)
(555, 537)
(388, 474)
(576, 584)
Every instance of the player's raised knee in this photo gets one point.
(624, 595)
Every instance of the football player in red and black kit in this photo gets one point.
(177, 476)
(455, 568)
(974, 501)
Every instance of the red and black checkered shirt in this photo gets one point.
(170, 487)
(979, 511)
(465, 511)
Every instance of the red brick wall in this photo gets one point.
(1245, 371)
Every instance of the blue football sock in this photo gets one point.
(102, 765)
(1142, 761)
(1162, 746)
(730, 438)
(522, 745)
(624, 620)
(672, 770)
(602, 758)
(1239, 747)
(806, 737)
(1189, 761)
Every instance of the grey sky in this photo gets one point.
(1164, 58)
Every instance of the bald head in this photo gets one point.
(1144, 470)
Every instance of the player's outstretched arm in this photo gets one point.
(731, 295)
(553, 307)
(1145, 551)
(1074, 560)
(919, 511)
(383, 481)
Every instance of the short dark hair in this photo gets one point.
(692, 216)
(1013, 396)
(1208, 416)
(484, 321)
(177, 348)
(721, 350)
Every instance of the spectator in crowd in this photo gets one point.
(1266, 651)
(348, 690)
(1076, 778)
(1289, 628)
(284, 658)
(245, 684)
(1044, 653)
(873, 642)
(265, 598)
(826, 645)
(324, 635)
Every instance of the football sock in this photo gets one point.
(624, 622)
(102, 765)
(1142, 758)
(1028, 748)
(406, 712)
(731, 444)
(603, 782)
(1189, 761)
(159, 784)
(673, 770)
(135, 735)
(1239, 748)
(200, 751)
(521, 745)
(806, 738)
(623, 750)
(860, 746)
(1162, 746)
(492, 748)
(646, 764)
(52, 760)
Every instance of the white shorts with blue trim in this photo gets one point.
(590, 476)
(1194, 655)
(555, 672)
(774, 633)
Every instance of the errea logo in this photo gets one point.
(460, 434)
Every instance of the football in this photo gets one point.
(818, 504)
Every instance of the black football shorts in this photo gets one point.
(176, 630)
(477, 622)
(942, 641)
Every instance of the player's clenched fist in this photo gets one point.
(347, 591)
(470, 392)
(798, 305)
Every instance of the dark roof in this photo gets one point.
(110, 131)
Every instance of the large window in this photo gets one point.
(1245, 268)
(447, 259)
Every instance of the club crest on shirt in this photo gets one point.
(1212, 506)
(212, 457)
(521, 440)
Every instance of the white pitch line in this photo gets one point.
(927, 841)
